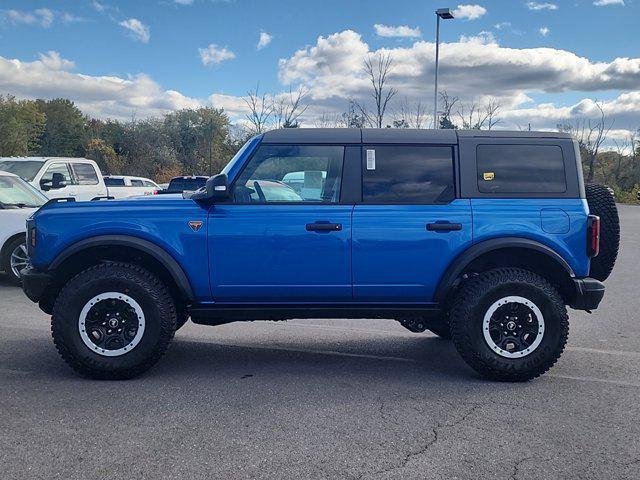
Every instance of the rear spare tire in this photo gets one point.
(602, 203)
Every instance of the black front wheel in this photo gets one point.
(509, 324)
(113, 321)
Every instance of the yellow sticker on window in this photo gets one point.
(488, 176)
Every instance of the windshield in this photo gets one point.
(240, 154)
(15, 192)
(186, 184)
(26, 169)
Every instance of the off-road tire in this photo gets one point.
(442, 330)
(145, 288)
(474, 299)
(182, 317)
(602, 203)
(6, 259)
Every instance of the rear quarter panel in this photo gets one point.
(560, 224)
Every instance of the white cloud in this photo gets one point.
(99, 7)
(265, 39)
(542, 6)
(602, 3)
(183, 2)
(213, 55)
(482, 38)
(544, 31)
(501, 25)
(41, 16)
(70, 18)
(470, 12)
(398, 31)
(102, 96)
(137, 29)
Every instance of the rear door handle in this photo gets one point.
(324, 227)
(444, 227)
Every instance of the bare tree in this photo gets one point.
(260, 110)
(410, 115)
(356, 115)
(289, 107)
(447, 104)
(590, 134)
(328, 120)
(378, 67)
(475, 117)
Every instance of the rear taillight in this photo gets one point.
(593, 235)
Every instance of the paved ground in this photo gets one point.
(327, 399)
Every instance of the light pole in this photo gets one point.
(445, 14)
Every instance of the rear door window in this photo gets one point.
(137, 183)
(408, 174)
(520, 169)
(85, 173)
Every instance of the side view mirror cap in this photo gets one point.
(216, 189)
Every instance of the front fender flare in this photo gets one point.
(158, 253)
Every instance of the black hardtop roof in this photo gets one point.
(392, 135)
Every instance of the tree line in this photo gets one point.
(185, 142)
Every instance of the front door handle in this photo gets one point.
(444, 227)
(324, 227)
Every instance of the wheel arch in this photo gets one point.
(91, 251)
(509, 252)
(9, 239)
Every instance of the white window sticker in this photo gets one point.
(371, 159)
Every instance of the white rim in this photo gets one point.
(107, 296)
(492, 310)
(19, 259)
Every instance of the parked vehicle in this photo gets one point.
(59, 177)
(122, 186)
(484, 237)
(18, 200)
(185, 184)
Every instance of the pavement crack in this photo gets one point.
(517, 465)
(435, 437)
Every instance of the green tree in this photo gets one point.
(21, 125)
(65, 129)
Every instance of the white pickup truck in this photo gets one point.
(80, 178)
(59, 177)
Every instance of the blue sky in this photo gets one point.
(164, 37)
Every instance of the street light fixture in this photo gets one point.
(445, 14)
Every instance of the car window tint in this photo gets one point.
(291, 173)
(114, 182)
(137, 183)
(407, 174)
(520, 169)
(85, 173)
(61, 168)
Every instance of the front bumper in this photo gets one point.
(35, 283)
(589, 293)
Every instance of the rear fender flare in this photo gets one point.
(456, 268)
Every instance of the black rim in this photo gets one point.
(514, 327)
(111, 324)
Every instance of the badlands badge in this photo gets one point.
(195, 225)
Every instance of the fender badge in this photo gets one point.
(195, 225)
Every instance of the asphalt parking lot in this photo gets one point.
(327, 399)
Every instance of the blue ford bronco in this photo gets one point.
(481, 237)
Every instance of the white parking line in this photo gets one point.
(594, 380)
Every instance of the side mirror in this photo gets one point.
(57, 182)
(216, 189)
